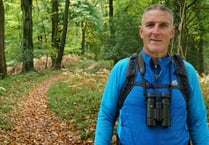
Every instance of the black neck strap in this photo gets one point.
(146, 85)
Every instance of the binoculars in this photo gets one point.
(158, 109)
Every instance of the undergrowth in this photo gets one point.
(77, 98)
(205, 91)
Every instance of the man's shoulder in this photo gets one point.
(192, 73)
(122, 63)
(189, 67)
(120, 67)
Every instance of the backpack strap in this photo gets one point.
(141, 64)
(182, 77)
(129, 81)
(127, 86)
(183, 81)
(136, 61)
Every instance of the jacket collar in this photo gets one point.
(162, 62)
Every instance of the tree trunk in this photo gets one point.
(83, 32)
(201, 57)
(3, 69)
(111, 17)
(63, 38)
(55, 36)
(183, 30)
(111, 40)
(27, 42)
(180, 11)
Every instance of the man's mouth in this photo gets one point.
(155, 40)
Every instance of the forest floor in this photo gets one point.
(37, 125)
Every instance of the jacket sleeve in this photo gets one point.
(197, 113)
(109, 102)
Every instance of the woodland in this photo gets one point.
(101, 29)
(53, 49)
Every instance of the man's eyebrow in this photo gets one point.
(151, 22)
(166, 23)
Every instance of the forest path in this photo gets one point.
(38, 125)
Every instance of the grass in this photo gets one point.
(77, 100)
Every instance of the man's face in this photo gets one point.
(156, 32)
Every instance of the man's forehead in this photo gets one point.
(157, 16)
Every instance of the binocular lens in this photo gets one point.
(158, 110)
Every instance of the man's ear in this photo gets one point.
(172, 32)
(140, 31)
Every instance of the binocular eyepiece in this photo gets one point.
(158, 109)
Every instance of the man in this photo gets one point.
(134, 126)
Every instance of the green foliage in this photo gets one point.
(4, 124)
(88, 17)
(77, 99)
(190, 41)
(85, 11)
(42, 28)
(126, 21)
(12, 31)
(197, 25)
(205, 91)
(98, 39)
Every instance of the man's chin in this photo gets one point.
(155, 49)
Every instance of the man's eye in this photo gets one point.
(149, 25)
(164, 25)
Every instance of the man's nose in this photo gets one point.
(156, 29)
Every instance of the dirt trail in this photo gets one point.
(37, 125)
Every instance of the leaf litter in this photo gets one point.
(35, 124)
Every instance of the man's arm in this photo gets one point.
(108, 107)
(197, 117)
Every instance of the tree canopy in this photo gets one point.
(103, 29)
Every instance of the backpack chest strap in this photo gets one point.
(155, 86)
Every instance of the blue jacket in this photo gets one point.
(132, 129)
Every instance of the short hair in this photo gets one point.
(159, 7)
